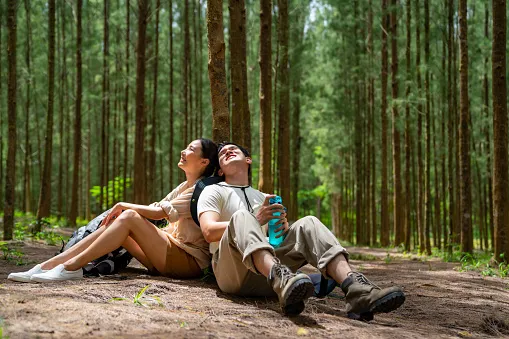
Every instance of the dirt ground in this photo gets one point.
(441, 303)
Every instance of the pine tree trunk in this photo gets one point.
(186, 63)
(284, 103)
(488, 151)
(427, 169)
(396, 152)
(371, 132)
(450, 127)
(444, 142)
(465, 188)
(238, 71)
(10, 177)
(385, 230)
(27, 196)
(153, 166)
(408, 141)
(265, 183)
(172, 113)
(139, 151)
(126, 102)
(45, 193)
(217, 72)
(77, 122)
(1, 115)
(420, 165)
(500, 151)
(103, 199)
(60, 183)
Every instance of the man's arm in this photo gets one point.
(211, 227)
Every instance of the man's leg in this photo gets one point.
(308, 240)
(245, 265)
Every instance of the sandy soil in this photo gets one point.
(441, 303)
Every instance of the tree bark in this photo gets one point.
(217, 73)
(1, 116)
(126, 101)
(265, 183)
(385, 230)
(10, 176)
(465, 188)
(139, 150)
(172, 113)
(27, 194)
(500, 149)
(408, 141)
(45, 193)
(238, 70)
(284, 103)
(77, 121)
(427, 169)
(153, 165)
(420, 165)
(186, 63)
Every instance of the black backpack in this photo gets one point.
(107, 264)
(200, 185)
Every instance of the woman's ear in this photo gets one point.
(205, 161)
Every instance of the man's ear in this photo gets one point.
(249, 160)
(220, 173)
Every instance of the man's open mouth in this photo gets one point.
(230, 156)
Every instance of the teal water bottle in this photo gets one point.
(275, 242)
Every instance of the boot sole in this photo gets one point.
(386, 304)
(299, 292)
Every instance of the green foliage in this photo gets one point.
(362, 256)
(114, 189)
(483, 263)
(141, 299)
(11, 254)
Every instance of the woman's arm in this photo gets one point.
(149, 212)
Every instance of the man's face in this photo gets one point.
(231, 156)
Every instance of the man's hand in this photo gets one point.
(265, 212)
(114, 213)
(283, 223)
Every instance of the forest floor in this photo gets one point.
(441, 303)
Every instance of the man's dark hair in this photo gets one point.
(244, 150)
(209, 151)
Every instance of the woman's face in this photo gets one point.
(191, 158)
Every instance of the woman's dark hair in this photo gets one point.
(209, 151)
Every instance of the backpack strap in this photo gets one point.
(200, 185)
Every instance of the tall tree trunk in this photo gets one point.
(489, 169)
(10, 177)
(359, 217)
(444, 109)
(427, 169)
(139, 150)
(372, 130)
(408, 142)
(450, 187)
(420, 165)
(398, 210)
(60, 182)
(103, 200)
(45, 193)
(217, 73)
(152, 168)
(284, 103)
(500, 151)
(172, 113)
(2, 11)
(126, 101)
(199, 70)
(385, 230)
(265, 183)
(27, 195)
(186, 63)
(238, 70)
(465, 188)
(77, 122)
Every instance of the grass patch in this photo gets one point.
(141, 299)
(11, 254)
(362, 257)
(484, 263)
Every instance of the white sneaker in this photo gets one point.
(25, 276)
(59, 273)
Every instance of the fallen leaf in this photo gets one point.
(302, 331)
(465, 334)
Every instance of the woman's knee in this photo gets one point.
(129, 215)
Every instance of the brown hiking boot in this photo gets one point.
(364, 299)
(292, 289)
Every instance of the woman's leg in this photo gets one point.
(73, 251)
(152, 241)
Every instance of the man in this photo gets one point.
(244, 263)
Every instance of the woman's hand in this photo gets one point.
(114, 213)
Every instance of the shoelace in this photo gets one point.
(363, 280)
(283, 272)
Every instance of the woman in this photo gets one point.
(178, 251)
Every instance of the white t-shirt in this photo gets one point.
(227, 199)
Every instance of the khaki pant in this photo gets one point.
(180, 264)
(307, 241)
